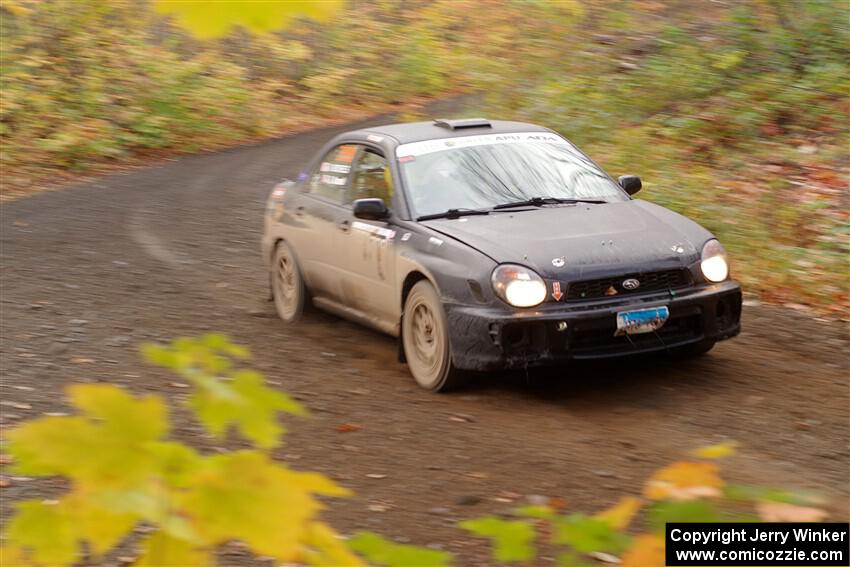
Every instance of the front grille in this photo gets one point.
(649, 281)
(603, 341)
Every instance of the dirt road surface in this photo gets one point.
(91, 271)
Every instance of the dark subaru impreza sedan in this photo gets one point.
(489, 244)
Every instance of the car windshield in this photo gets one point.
(477, 172)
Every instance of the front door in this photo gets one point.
(369, 266)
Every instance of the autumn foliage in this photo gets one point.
(734, 114)
(133, 485)
(124, 469)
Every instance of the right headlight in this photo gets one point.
(714, 265)
(518, 286)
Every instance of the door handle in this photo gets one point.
(344, 225)
(299, 210)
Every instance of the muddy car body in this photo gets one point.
(491, 244)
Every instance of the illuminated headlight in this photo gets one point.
(714, 266)
(518, 285)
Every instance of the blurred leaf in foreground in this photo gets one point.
(717, 451)
(122, 469)
(620, 515)
(648, 551)
(684, 481)
(208, 18)
(586, 534)
(380, 551)
(513, 540)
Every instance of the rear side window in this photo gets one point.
(331, 177)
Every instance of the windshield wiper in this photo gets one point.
(540, 201)
(453, 214)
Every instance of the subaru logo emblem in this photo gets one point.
(630, 284)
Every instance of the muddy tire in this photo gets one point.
(288, 291)
(425, 339)
(692, 351)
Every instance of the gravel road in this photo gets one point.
(173, 249)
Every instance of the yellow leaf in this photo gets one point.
(684, 481)
(717, 451)
(620, 515)
(109, 446)
(136, 419)
(646, 551)
(101, 527)
(160, 549)
(46, 531)
(11, 556)
(52, 445)
(326, 547)
(208, 18)
(246, 496)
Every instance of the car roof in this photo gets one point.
(406, 132)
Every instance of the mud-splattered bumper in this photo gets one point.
(491, 337)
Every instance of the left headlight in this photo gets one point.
(714, 264)
(518, 286)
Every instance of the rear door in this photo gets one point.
(321, 213)
(368, 261)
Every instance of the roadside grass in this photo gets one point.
(733, 114)
(736, 118)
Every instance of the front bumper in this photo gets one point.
(493, 337)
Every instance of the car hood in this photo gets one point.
(598, 239)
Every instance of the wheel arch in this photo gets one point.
(411, 279)
(414, 276)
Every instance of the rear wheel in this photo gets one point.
(425, 339)
(287, 284)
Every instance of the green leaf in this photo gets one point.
(225, 398)
(587, 534)
(531, 511)
(220, 343)
(247, 404)
(513, 540)
(681, 511)
(46, 530)
(380, 551)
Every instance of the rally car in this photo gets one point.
(488, 244)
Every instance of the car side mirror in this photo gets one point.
(371, 209)
(630, 183)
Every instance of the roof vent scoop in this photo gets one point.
(463, 123)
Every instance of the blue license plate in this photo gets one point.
(641, 321)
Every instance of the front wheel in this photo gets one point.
(425, 339)
(287, 284)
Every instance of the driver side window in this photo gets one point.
(372, 177)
